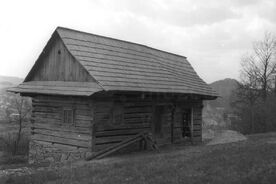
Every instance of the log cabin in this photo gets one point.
(94, 95)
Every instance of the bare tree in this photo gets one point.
(18, 110)
(258, 67)
(257, 80)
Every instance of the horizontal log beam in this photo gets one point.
(60, 140)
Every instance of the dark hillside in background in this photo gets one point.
(218, 113)
(224, 88)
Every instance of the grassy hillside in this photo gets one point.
(251, 161)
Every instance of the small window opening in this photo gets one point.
(117, 114)
(68, 116)
(59, 52)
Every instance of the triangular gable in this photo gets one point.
(57, 64)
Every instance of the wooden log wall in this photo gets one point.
(114, 121)
(135, 117)
(48, 126)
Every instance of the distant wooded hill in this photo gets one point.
(6, 81)
(224, 88)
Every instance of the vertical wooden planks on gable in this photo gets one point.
(57, 64)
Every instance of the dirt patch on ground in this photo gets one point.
(227, 136)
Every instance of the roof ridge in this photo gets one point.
(161, 65)
(169, 68)
(116, 39)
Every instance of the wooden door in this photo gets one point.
(186, 123)
(158, 123)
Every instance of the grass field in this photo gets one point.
(249, 162)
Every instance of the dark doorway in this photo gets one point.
(157, 123)
(186, 123)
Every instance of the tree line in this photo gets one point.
(254, 101)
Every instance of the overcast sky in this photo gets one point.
(212, 34)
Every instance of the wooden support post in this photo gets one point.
(172, 123)
(93, 127)
(93, 137)
(192, 125)
(153, 120)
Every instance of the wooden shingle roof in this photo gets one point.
(124, 66)
(118, 65)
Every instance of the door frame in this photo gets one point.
(191, 121)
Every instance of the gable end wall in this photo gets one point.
(57, 64)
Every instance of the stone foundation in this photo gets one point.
(41, 152)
